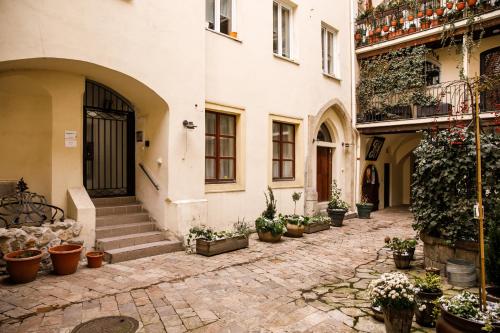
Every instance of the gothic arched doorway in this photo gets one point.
(324, 165)
(370, 186)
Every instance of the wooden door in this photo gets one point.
(387, 184)
(324, 173)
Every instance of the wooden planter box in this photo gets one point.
(315, 227)
(211, 248)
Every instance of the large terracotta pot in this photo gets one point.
(397, 320)
(65, 258)
(471, 3)
(23, 265)
(293, 230)
(439, 11)
(268, 237)
(429, 12)
(449, 323)
(425, 316)
(94, 259)
(449, 5)
(460, 6)
(402, 260)
(336, 216)
(410, 17)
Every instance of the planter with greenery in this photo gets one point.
(402, 251)
(210, 242)
(269, 227)
(428, 291)
(295, 225)
(337, 208)
(317, 223)
(23, 265)
(364, 208)
(461, 313)
(394, 293)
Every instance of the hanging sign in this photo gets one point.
(375, 148)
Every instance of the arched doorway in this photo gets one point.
(108, 136)
(370, 185)
(324, 155)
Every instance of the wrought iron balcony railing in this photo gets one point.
(451, 99)
(404, 17)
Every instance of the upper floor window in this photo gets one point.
(283, 151)
(432, 73)
(282, 29)
(220, 148)
(220, 15)
(329, 51)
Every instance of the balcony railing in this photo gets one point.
(387, 22)
(446, 99)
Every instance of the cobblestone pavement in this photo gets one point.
(315, 283)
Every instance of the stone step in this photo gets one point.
(132, 207)
(142, 250)
(108, 220)
(124, 229)
(111, 243)
(113, 201)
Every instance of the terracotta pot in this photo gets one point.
(412, 30)
(439, 11)
(425, 316)
(429, 12)
(411, 17)
(233, 34)
(268, 237)
(394, 23)
(386, 28)
(425, 25)
(94, 259)
(357, 37)
(336, 216)
(23, 265)
(471, 3)
(420, 14)
(449, 323)
(493, 294)
(294, 231)
(402, 261)
(449, 5)
(65, 258)
(397, 320)
(460, 6)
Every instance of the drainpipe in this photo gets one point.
(353, 102)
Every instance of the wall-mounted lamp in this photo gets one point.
(189, 124)
(346, 145)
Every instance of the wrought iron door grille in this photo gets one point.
(109, 146)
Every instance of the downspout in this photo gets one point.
(353, 104)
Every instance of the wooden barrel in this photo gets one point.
(461, 273)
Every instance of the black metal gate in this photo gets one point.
(108, 136)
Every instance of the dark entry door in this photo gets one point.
(387, 184)
(370, 186)
(108, 152)
(324, 173)
(490, 65)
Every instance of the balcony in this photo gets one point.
(449, 100)
(401, 18)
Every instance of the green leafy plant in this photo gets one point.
(276, 226)
(430, 283)
(240, 228)
(336, 201)
(270, 211)
(295, 197)
(399, 245)
(298, 220)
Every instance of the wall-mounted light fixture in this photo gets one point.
(189, 124)
(346, 145)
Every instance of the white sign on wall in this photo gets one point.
(69, 139)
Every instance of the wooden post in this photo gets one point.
(480, 198)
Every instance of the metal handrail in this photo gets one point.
(155, 184)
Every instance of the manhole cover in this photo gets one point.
(113, 324)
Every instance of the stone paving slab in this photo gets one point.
(311, 284)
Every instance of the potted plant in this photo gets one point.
(429, 11)
(269, 227)
(411, 17)
(424, 23)
(439, 11)
(462, 313)
(295, 225)
(364, 208)
(460, 5)
(471, 3)
(420, 14)
(23, 265)
(394, 22)
(94, 259)
(400, 252)
(209, 242)
(412, 28)
(385, 28)
(394, 293)
(337, 208)
(449, 4)
(428, 290)
(317, 223)
(65, 258)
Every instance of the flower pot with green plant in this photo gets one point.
(337, 208)
(460, 5)
(462, 313)
(395, 294)
(412, 28)
(269, 227)
(317, 223)
(364, 208)
(295, 225)
(429, 11)
(428, 290)
(424, 23)
(401, 251)
(23, 265)
(449, 4)
(439, 11)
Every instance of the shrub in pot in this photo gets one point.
(462, 313)
(395, 294)
(23, 265)
(402, 251)
(337, 208)
(364, 208)
(428, 290)
(269, 227)
(295, 225)
(65, 258)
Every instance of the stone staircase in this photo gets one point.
(125, 231)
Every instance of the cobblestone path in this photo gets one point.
(314, 284)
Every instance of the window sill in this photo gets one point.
(224, 187)
(333, 77)
(224, 35)
(286, 59)
(283, 184)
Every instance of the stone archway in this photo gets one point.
(338, 122)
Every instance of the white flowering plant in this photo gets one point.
(297, 220)
(319, 219)
(392, 290)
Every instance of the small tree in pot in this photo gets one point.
(364, 208)
(269, 227)
(428, 291)
(337, 208)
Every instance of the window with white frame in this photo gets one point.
(282, 29)
(329, 51)
(220, 15)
